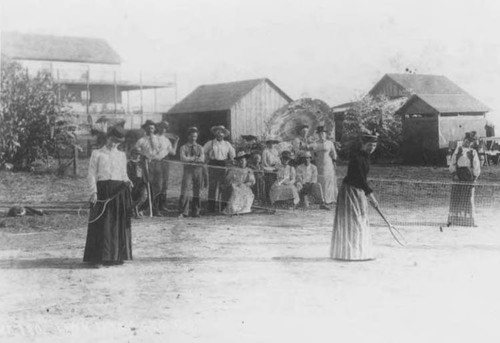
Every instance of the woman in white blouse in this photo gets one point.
(109, 235)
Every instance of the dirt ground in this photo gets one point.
(252, 278)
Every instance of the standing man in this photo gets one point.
(153, 149)
(218, 153)
(193, 156)
(168, 149)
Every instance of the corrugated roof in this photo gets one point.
(58, 48)
(219, 97)
(426, 84)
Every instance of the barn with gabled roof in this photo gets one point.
(242, 106)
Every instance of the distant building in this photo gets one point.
(435, 113)
(88, 69)
(243, 107)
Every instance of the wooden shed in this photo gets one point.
(243, 107)
(436, 113)
(432, 121)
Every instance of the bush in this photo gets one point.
(34, 122)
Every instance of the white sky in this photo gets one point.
(326, 49)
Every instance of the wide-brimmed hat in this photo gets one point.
(148, 123)
(216, 128)
(134, 151)
(306, 154)
(368, 136)
(320, 129)
(302, 126)
(249, 138)
(192, 129)
(162, 125)
(117, 133)
(273, 140)
(242, 154)
(287, 155)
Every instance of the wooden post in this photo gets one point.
(116, 89)
(75, 159)
(142, 109)
(88, 89)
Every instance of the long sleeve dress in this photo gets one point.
(239, 182)
(284, 186)
(325, 154)
(109, 237)
(351, 237)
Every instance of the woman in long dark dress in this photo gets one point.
(351, 237)
(109, 238)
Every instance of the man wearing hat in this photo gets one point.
(135, 172)
(270, 162)
(154, 149)
(218, 154)
(192, 156)
(307, 179)
(169, 149)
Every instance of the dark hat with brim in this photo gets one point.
(273, 140)
(320, 129)
(249, 138)
(242, 154)
(192, 129)
(116, 133)
(216, 128)
(302, 126)
(148, 123)
(287, 155)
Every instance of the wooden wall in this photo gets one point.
(453, 128)
(248, 116)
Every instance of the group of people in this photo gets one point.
(109, 237)
(288, 176)
(234, 178)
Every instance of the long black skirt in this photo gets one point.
(109, 239)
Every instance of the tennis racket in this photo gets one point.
(97, 210)
(398, 236)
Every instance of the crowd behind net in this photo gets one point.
(404, 202)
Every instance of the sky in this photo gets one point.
(327, 49)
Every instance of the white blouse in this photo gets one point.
(106, 164)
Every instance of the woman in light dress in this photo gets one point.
(284, 186)
(238, 183)
(325, 158)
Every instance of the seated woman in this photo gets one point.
(259, 188)
(238, 182)
(284, 186)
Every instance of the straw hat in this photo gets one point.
(216, 128)
(242, 154)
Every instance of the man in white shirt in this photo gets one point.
(167, 149)
(218, 154)
(193, 157)
(153, 148)
(307, 180)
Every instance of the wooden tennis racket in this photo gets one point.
(396, 234)
(97, 210)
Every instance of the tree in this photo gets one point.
(376, 114)
(33, 120)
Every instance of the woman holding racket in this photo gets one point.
(109, 240)
(351, 238)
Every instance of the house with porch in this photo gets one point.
(90, 75)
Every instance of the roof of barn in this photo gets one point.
(58, 48)
(220, 97)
